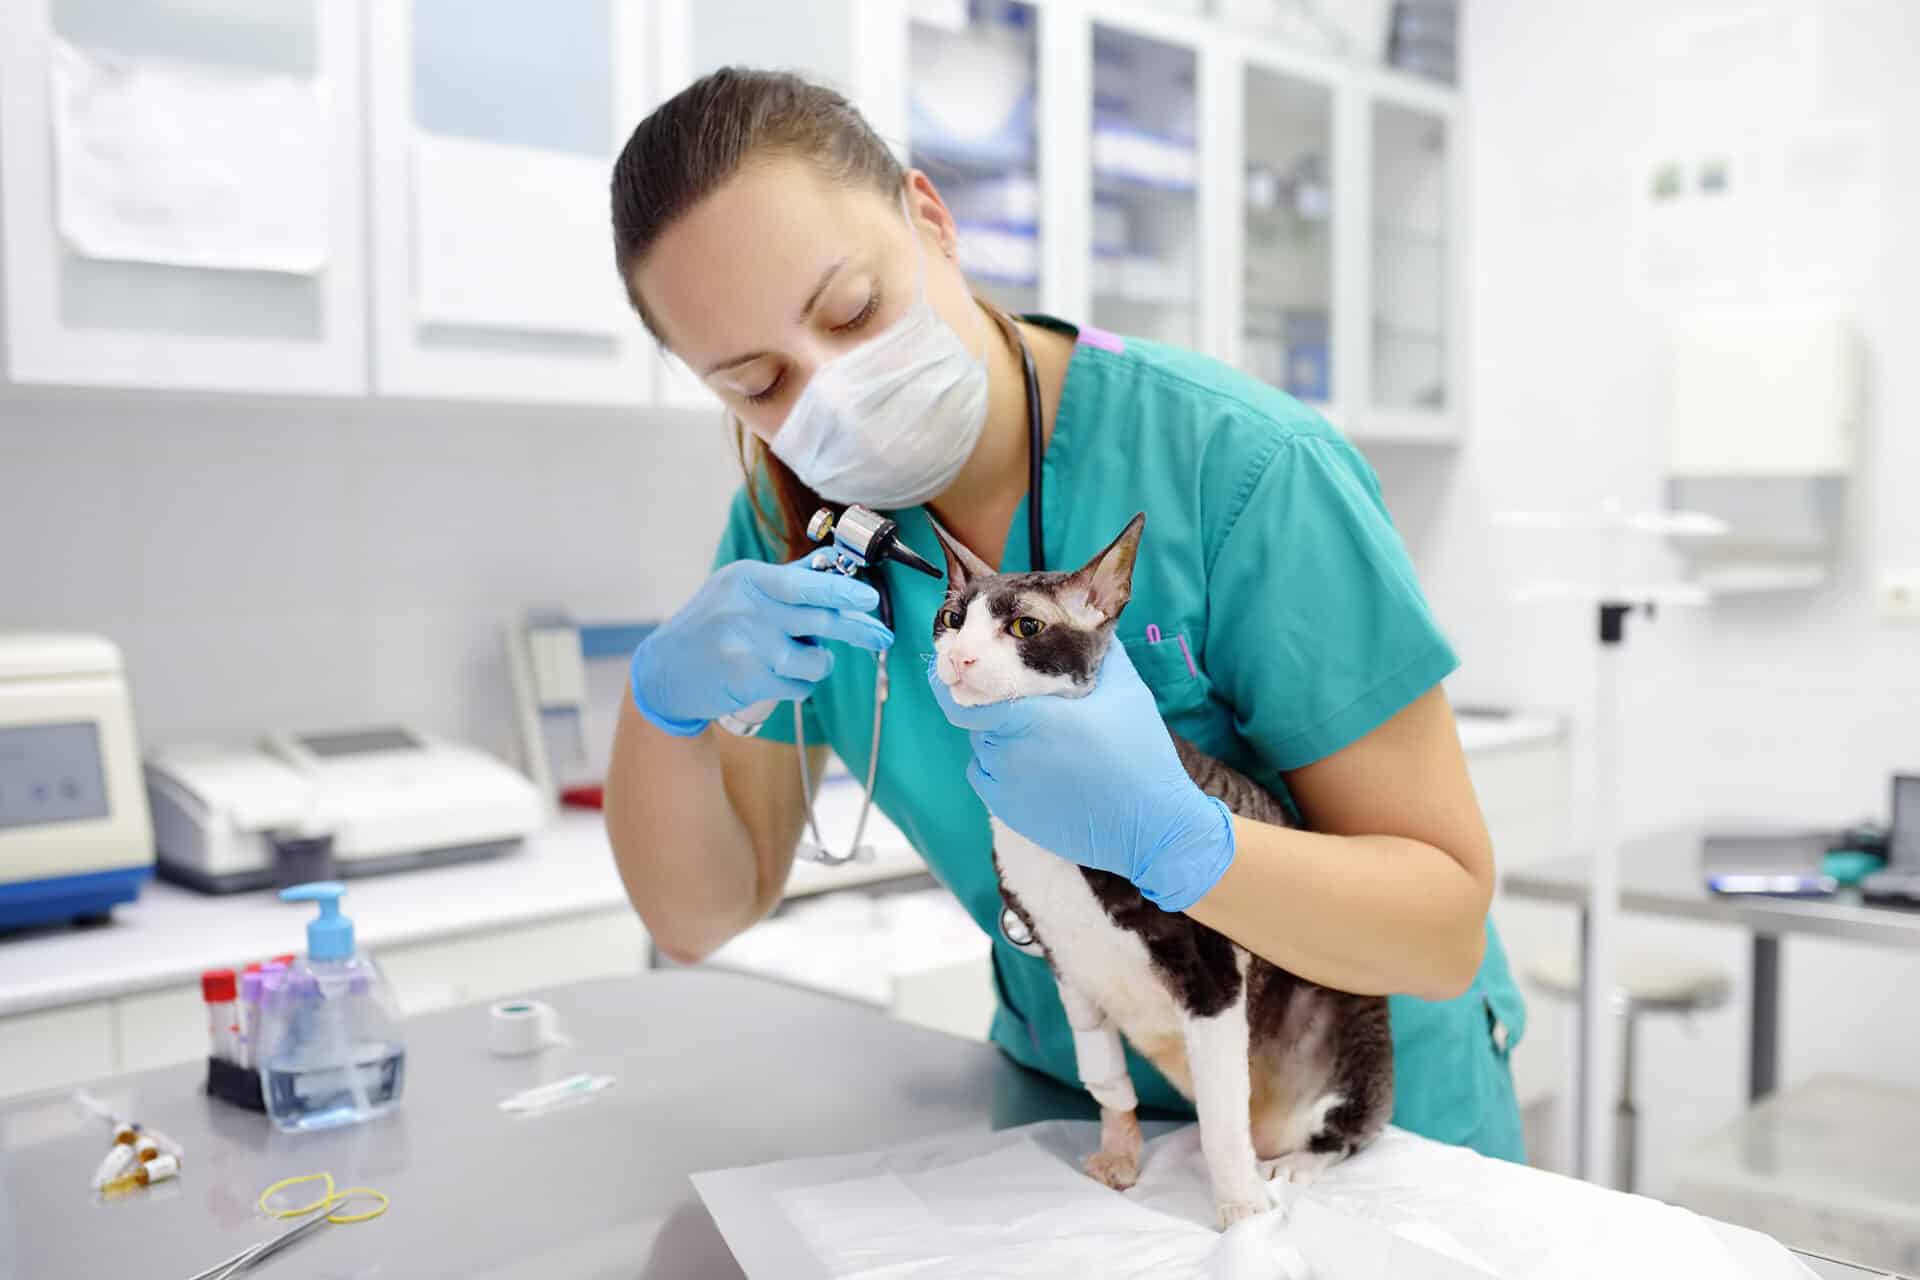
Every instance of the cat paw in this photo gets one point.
(1233, 1212)
(1297, 1168)
(1116, 1169)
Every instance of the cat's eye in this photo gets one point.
(950, 619)
(1026, 628)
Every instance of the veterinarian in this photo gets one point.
(771, 241)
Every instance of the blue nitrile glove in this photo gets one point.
(739, 641)
(1096, 780)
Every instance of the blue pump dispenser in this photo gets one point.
(329, 934)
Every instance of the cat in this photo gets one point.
(1288, 1077)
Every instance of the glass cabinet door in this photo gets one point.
(1286, 326)
(182, 191)
(1146, 168)
(494, 128)
(1410, 309)
(972, 128)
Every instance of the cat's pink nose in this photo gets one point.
(963, 660)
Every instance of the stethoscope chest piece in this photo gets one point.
(1017, 934)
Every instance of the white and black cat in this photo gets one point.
(1288, 1077)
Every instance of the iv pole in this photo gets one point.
(1613, 601)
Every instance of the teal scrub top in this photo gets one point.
(1290, 626)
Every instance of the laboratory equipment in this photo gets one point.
(1783, 863)
(1894, 887)
(1903, 834)
(75, 839)
(392, 798)
(1614, 598)
(330, 1050)
(1898, 885)
(1774, 884)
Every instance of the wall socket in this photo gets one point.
(1900, 595)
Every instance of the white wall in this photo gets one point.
(1795, 708)
(272, 564)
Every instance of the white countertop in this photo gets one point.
(173, 934)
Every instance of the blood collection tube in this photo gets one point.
(247, 1050)
(223, 1018)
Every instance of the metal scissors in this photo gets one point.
(322, 1212)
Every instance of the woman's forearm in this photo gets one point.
(685, 844)
(1370, 914)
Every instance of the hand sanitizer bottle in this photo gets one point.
(330, 1046)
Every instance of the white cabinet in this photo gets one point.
(102, 287)
(454, 244)
(974, 127)
(1411, 386)
(1145, 164)
(1290, 191)
(54, 1047)
(1144, 169)
(492, 132)
(1158, 173)
(428, 976)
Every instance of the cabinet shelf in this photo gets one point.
(964, 164)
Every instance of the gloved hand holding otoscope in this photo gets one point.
(746, 642)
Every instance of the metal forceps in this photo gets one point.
(261, 1250)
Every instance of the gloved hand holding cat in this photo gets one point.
(1096, 779)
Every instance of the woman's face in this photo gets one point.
(779, 271)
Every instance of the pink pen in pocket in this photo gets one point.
(1154, 637)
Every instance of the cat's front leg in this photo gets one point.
(1222, 1088)
(1102, 1063)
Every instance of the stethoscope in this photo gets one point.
(862, 542)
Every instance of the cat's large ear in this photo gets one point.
(962, 565)
(1108, 577)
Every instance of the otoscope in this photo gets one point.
(862, 541)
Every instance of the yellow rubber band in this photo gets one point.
(344, 1218)
(326, 1198)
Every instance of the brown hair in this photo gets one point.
(691, 145)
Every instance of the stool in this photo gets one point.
(1644, 982)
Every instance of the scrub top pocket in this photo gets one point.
(1171, 670)
(1182, 691)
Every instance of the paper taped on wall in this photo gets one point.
(188, 164)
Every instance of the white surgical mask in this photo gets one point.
(890, 423)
